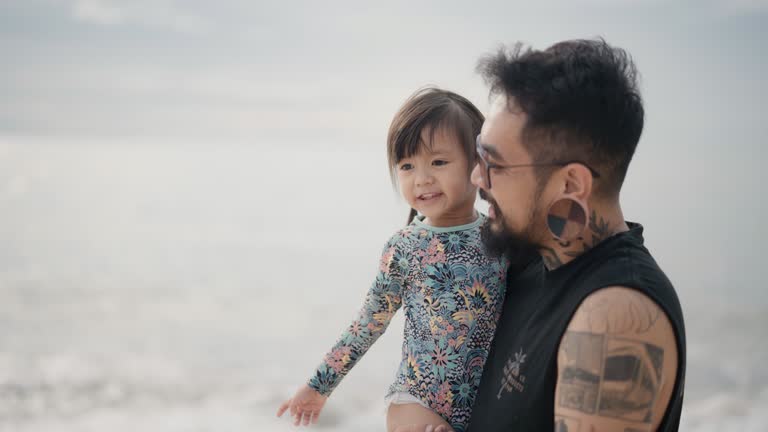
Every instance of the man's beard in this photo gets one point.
(518, 248)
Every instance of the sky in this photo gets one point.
(251, 70)
(330, 75)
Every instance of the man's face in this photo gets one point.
(516, 212)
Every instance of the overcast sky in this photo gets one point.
(298, 69)
(269, 73)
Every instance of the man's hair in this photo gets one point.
(581, 100)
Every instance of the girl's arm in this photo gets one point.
(382, 301)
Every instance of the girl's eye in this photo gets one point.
(439, 162)
(405, 167)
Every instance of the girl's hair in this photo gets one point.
(432, 109)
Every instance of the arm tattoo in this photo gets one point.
(566, 424)
(608, 376)
(636, 314)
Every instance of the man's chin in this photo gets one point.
(501, 241)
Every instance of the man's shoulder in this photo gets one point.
(628, 263)
(623, 338)
(617, 310)
(632, 253)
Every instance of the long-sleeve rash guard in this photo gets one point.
(451, 292)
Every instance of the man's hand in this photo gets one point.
(305, 406)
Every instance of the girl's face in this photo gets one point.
(436, 183)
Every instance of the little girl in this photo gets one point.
(435, 267)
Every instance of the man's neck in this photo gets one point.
(603, 222)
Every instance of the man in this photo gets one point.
(591, 337)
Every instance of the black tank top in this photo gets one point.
(517, 390)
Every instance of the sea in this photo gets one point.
(191, 287)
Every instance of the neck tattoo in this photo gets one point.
(599, 229)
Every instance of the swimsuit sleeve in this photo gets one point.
(382, 301)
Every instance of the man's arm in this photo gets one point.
(617, 364)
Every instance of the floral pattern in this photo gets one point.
(451, 293)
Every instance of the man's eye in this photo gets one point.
(439, 162)
(405, 167)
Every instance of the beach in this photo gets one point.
(193, 287)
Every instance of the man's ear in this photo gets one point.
(578, 181)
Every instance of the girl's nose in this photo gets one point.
(424, 177)
(476, 177)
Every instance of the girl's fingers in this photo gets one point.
(301, 415)
(283, 407)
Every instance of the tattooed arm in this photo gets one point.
(617, 364)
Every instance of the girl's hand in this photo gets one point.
(305, 406)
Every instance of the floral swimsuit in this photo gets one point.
(451, 292)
